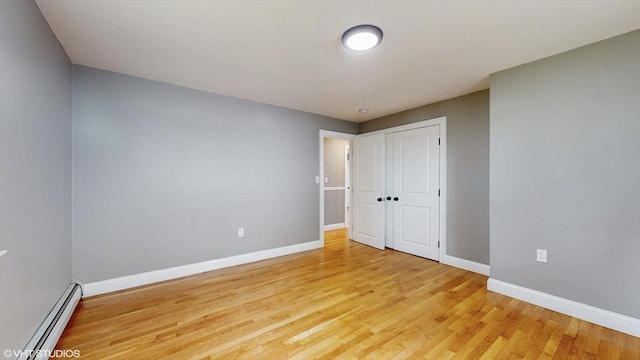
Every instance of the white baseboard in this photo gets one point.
(609, 319)
(469, 265)
(333, 227)
(130, 281)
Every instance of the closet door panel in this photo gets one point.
(416, 185)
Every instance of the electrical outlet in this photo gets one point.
(241, 232)
(541, 255)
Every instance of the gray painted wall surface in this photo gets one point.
(164, 175)
(35, 171)
(565, 174)
(334, 171)
(334, 161)
(467, 168)
(333, 207)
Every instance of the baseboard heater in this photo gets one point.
(43, 342)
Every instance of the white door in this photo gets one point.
(416, 186)
(368, 190)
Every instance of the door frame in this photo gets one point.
(320, 179)
(347, 187)
(442, 121)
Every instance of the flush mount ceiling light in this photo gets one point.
(362, 37)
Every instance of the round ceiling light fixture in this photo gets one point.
(362, 37)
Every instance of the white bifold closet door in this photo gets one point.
(413, 197)
(368, 189)
(416, 186)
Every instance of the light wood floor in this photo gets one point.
(345, 301)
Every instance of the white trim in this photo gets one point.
(347, 186)
(334, 188)
(334, 226)
(322, 135)
(130, 281)
(443, 187)
(465, 264)
(415, 125)
(442, 121)
(606, 318)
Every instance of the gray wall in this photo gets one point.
(164, 175)
(35, 171)
(565, 174)
(467, 168)
(334, 170)
(334, 161)
(333, 207)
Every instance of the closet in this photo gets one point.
(396, 189)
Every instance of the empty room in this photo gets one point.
(306, 179)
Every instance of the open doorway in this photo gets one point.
(335, 181)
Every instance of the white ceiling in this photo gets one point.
(288, 53)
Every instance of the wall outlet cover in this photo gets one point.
(541, 255)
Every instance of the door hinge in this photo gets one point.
(347, 156)
(438, 141)
(438, 192)
(438, 244)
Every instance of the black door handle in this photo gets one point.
(379, 199)
(388, 197)
(396, 198)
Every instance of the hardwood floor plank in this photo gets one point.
(345, 301)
